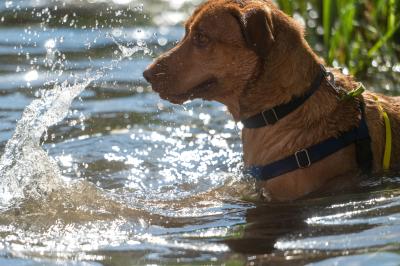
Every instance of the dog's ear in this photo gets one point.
(257, 29)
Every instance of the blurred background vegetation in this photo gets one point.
(361, 35)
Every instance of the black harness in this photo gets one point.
(306, 157)
(273, 115)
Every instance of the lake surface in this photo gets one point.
(122, 177)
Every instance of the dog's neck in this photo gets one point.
(322, 116)
(286, 74)
(282, 78)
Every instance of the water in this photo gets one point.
(20, 174)
(97, 170)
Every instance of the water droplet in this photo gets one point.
(31, 75)
(139, 89)
(50, 44)
(121, 2)
(117, 32)
(65, 18)
(9, 4)
(162, 41)
(116, 148)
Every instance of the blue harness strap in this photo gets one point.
(306, 157)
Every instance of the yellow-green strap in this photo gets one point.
(388, 142)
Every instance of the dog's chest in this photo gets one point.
(265, 145)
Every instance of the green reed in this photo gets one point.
(354, 33)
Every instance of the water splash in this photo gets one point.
(25, 168)
(127, 51)
(26, 171)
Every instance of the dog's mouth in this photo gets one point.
(196, 92)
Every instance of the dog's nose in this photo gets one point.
(147, 74)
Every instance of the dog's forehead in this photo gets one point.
(217, 20)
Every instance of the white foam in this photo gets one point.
(25, 168)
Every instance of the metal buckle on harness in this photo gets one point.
(330, 78)
(269, 116)
(303, 159)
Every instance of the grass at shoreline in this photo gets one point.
(356, 34)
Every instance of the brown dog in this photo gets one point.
(250, 56)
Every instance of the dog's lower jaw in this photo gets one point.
(231, 101)
(175, 99)
(203, 88)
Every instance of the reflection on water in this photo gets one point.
(127, 178)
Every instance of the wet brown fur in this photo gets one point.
(252, 79)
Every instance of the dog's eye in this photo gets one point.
(200, 39)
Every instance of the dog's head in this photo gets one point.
(225, 47)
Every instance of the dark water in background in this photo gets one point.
(144, 181)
